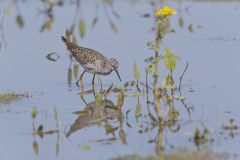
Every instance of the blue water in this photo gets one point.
(213, 74)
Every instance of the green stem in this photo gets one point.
(156, 91)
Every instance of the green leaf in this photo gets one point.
(134, 94)
(47, 25)
(110, 129)
(153, 47)
(122, 136)
(168, 83)
(69, 75)
(181, 22)
(173, 114)
(109, 90)
(158, 58)
(136, 71)
(165, 99)
(150, 68)
(81, 112)
(173, 87)
(82, 28)
(117, 90)
(19, 20)
(152, 118)
(190, 28)
(113, 26)
(98, 98)
(35, 147)
(85, 147)
(57, 149)
(68, 34)
(75, 71)
(165, 82)
(138, 111)
(74, 39)
(120, 99)
(170, 59)
(40, 131)
(181, 98)
(132, 83)
(34, 112)
(55, 114)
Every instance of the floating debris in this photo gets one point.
(53, 56)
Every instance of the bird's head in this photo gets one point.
(114, 64)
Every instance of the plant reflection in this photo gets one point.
(105, 8)
(40, 132)
(47, 11)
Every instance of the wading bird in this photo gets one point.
(92, 61)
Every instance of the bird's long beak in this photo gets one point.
(118, 74)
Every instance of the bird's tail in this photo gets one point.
(70, 45)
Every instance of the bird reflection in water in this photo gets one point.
(95, 112)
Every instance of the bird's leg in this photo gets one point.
(81, 80)
(93, 83)
(81, 95)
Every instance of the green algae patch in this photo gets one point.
(6, 98)
(179, 155)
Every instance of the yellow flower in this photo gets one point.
(165, 11)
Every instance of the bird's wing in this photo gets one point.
(89, 58)
(81, 52)
(94, 65)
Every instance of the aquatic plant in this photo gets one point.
(6, 98)
(165, 92)
(232, 129)
(164, 11)
(41, 132)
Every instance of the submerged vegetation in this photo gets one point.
(6, 98)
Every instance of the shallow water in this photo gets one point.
(210, 83)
